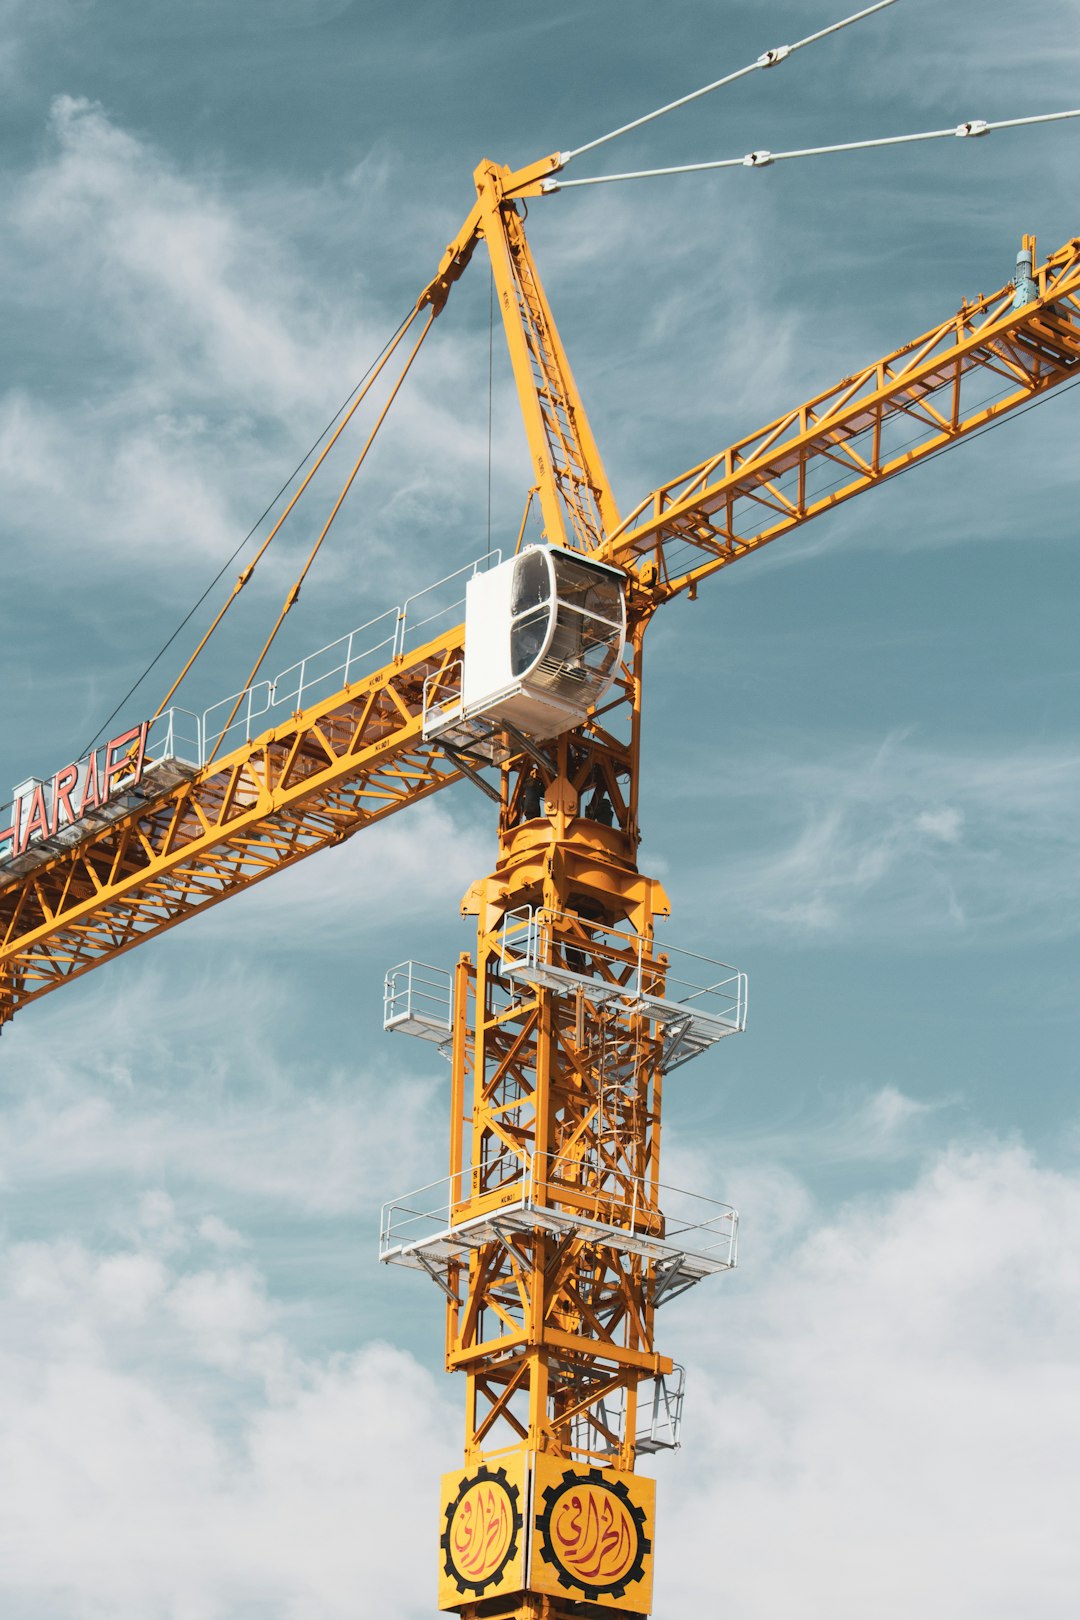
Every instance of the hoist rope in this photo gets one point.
(767, 59)
(227, 564)
(762, 159)
(294, 592)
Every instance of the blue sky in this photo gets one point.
(861, 785)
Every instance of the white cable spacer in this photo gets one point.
(757, 160)
(974, 126)
(773, 57)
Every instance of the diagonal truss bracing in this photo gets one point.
(963, 375)
(338, 766)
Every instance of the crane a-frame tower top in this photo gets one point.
(553, 1239)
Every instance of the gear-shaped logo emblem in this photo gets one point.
(482, 1528)
(592, 1534)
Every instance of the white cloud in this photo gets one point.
(889, 1417)
(881, 1410)
(212, 1229)
(222, 1310)
(137, 1487)
(864, 1127)
(420, 862)
(137, 1090)
(945, 824)
(213, 347)
(904, 841)
(207, 296)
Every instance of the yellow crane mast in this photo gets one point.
(553, 1239)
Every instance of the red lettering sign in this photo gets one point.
(62, 786)
(91, 798)
(42, 813)
(38, 819)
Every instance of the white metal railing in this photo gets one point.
(598, 1431)
(339, 662)
(429, 607)
(420, 1215)
(250, 705)
(659, 1411)
(175, 734)
(178, 734)
(417, 998)
(351, 657)
(442, 693)
(684, 1220)
(668, 1218)
(623, 965)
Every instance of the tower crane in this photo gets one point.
(553, 1239)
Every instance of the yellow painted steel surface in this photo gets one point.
(959, 377)
(592, 1536)
(483, 1513)
(340, 765)
(552, 1250)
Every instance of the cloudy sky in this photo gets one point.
(862, 775)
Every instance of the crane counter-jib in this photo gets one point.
(190, 836)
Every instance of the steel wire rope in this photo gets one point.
(159, 655)
(971, 128)
(767, 59)
(294, 592)
(276, 530)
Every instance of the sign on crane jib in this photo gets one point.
(77, 794)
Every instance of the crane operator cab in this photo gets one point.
(544, 634)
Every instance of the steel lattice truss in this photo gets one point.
(359, 755)
(957, 378)
(339, 766)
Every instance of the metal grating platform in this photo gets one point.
(698, 1241)
(626, 977)
(417, 1001)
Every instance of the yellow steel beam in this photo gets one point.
(340, 765)
(960, 376)
(575, 494)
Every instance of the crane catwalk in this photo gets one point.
(553, 1240)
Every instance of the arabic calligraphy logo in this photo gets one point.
(593, 1534)
(481, 1530)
